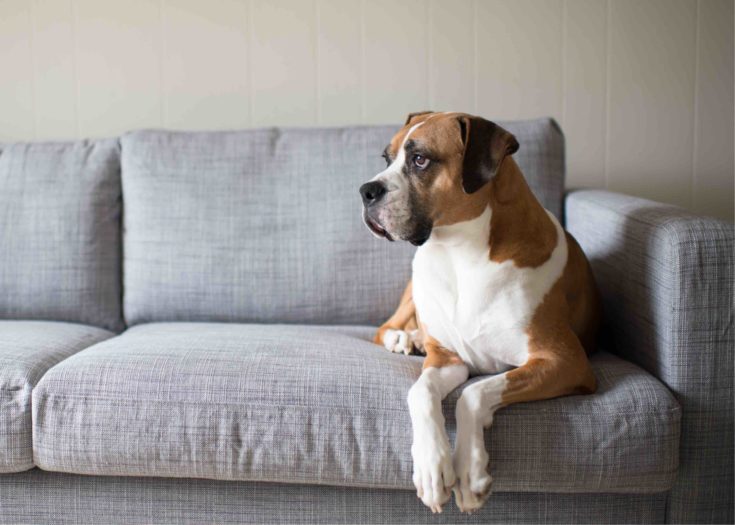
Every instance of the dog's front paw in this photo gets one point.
(473, 482)
(398, 341)
(433, 473)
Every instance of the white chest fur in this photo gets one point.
(473, 306)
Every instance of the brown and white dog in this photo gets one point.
(498, 288)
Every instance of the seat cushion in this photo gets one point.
(27, 350)
(323, 405)
(265, 225)
(60, 251)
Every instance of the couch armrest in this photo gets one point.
(666, 278)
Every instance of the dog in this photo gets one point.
(498, 287)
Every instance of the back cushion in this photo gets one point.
(60, 254)
(265, 225)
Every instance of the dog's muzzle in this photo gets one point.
(372, 193)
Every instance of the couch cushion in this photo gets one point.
(27, 350)
(323, 405)
(265, 225)
(60, 222)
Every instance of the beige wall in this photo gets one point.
(642, 88)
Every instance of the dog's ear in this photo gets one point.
(485, 146)
(412, 116)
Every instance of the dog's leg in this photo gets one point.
(400, 333)
(557, 367)
(433, 473)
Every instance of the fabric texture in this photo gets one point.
(666, 277)
(323, 405)
(27, 350)
(60, 253)
(265, 225)
(37, 497)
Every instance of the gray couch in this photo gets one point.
(185, 337)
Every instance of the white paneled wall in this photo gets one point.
(642, 88)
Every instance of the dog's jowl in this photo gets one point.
(498, 289)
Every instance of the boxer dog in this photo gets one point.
(498, 289)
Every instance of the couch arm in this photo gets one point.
(666, 278)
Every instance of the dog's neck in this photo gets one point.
(511, 223)
(471, 234)
(521, 228)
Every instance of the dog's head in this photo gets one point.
(438, 164)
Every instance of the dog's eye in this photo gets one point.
(386, 158)
(421, 162)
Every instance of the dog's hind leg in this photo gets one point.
(401, 332)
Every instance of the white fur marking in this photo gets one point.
(388, 175)
(398, 341)
(433, 472)
(474, 306)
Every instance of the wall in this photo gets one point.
(642, 88)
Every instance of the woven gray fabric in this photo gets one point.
(265, 225)
(37, 497)
(27, 350)
(322, 405)
(667, 281)
(60, 221)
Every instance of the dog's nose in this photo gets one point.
(372, 192)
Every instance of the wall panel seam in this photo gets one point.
(608, 51)
(315, 92)
(75, 66)
(249, 58)
(429, 57)
(162, 71)
(363, 65)
(564, 14)
(161, 95)
(317, 61)
(34, 62)
(695, 110)
(474, 55)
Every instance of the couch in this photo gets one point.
(185, 326)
